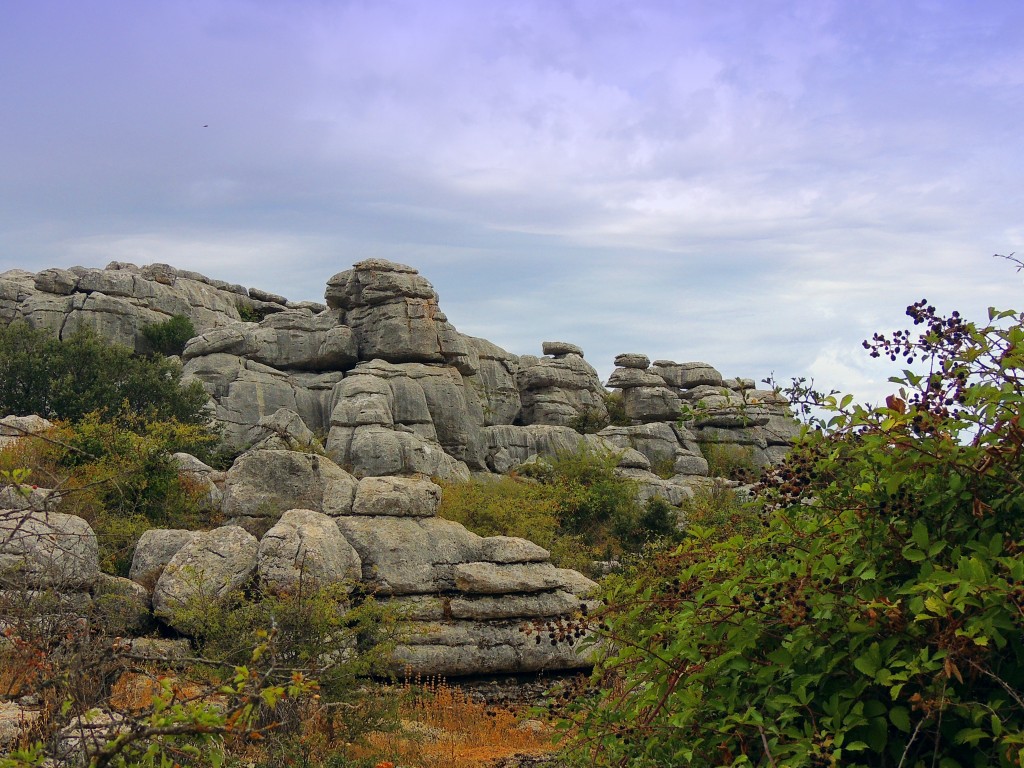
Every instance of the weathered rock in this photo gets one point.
(454, 648)
(153, 551)
(202, 476)
(262, 484)
(495, 578)
(244, 392)
(495, 382)
(14, 428)
(374, 450)
(285, 430)
(687, 375)
(305, 549)
(660, 443)
(394, 315)
(397, 496)
(560, 348)
(40, 550)
(627, 378)
(647, 404)
(509, 549)
(556, 391)
(210, 567)
(633, 360)
(15, 719)
(406, 555)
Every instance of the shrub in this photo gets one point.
(170, 336)
(731, 461)
(119, 476)
(875, 618)
(82, 374)
(574, 504)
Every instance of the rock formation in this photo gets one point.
(341, 410)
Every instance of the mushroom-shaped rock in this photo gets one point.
(633, 360)
(40, 550)
(560, 348)
(208, 568)
(397, 496)
(305, 548)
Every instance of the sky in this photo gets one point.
(756, 184)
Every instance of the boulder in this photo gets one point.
(262, 484)
(556, 391)
(211, 566)
(41, 550)
(409, 555)
(394, 315)
(560, 349)
(305, 549)
(153, 551)
(633, 360)
(686, 375)
(397, 496)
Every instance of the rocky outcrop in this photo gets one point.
(305, 550)
(47, 550)
(555, 390)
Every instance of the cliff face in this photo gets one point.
(345, 409)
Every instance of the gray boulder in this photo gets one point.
(153, 551)
(556, 391)
(41, 550)
(686, 375)
(396, 496)
(305, 549)
(208, 568)
(262, 484)
(394, 315)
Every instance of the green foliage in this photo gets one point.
(616, 406)
(317, 632)
(729, 460)
(247, 312)
(118, 475)
(66, 379)
(170, 336)
(872, 614)
(574, 505)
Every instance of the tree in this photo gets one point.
(871, 613)
(66, 379)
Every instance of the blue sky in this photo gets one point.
(760, 185)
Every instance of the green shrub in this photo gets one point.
(119, 476)
(873, 614)
(574, 505)
(247, 312)
(83, 374)
(731, 461)
(169, 337)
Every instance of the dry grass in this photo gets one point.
(442, 727)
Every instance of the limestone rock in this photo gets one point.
(510, 549)
(153, 551)
(633, 360)
(556, 391)
(39, 550)
(647, 404)
(560, 349)
(210, 567)
(394, 315)
(629, 377)
(262, 484)
(453, 648)
(495, 382)
(285, 430)
(14, 428)
(407, 555)
(397, 496)
(687, 375)
(495, 578)
(305, 548)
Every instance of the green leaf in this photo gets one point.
(900, 717)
